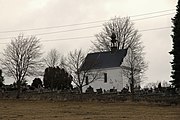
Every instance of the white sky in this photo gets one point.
(27, 14)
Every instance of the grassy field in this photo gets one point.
(49, 110)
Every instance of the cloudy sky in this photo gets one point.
(71, 24)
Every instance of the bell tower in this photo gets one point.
(114, 44)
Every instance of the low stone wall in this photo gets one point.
(158, 98)
(73, 96)
(110, 97)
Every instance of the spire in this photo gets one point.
(113, 43)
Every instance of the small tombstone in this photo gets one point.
(99, 91)
(113, 90)
(40, 89)
(125, 90)
(90, 90)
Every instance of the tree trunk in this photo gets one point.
(18, 89)
(80, 89)
(132, 86)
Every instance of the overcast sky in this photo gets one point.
(29, 14)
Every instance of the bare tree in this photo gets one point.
(134, 67)
(75, 60)
(63, 62)
(128, 38)
(124, 31)
(53, 58)
(21, 58)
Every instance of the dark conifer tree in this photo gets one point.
(176, 49)
(57, 78)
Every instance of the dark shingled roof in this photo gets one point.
(102, 60)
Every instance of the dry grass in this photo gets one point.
(49, 110)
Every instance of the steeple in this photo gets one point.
(114, 43)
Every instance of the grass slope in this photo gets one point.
(50, 110)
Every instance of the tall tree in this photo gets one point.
(124, 30)
(176, 49)
(75, 60)
(22, 58)
(134, 67)
(53, 58)
(128, 38)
